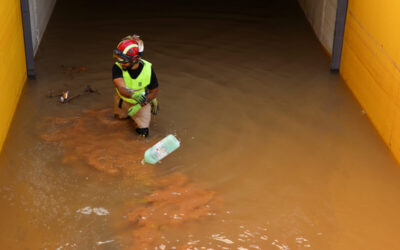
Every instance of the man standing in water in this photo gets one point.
(136, 84)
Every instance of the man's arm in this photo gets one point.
(122, 89)
(152, 95)
(153, 87)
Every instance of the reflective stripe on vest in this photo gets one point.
(136, 85)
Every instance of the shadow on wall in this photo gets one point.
(322, 17)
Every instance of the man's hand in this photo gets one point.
(139, 98)
(134, 109)
(155, 107)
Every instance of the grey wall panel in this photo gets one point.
(40, 11)
(322, 15)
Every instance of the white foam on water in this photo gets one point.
(99, 243)
(221, 238)
(85, 210)
(100, 211)
(193, 242)
(280, 246)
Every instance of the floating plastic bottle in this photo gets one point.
(161, 149)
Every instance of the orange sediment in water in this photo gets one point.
(174, 201)
(111, 146)
(104, 143)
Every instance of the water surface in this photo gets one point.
(273, 143)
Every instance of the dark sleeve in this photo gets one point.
(116, 72)
(153, 81)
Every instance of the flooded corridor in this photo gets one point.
(275, 151)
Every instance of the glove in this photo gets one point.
(139, 98)
(155, 107)
(134, 109)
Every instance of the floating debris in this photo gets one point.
(64, 95)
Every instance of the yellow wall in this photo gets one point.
(12, 62)
(370, 64)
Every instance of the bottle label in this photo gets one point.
(159, 151)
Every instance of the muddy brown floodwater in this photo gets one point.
(276, 153)
(108, 145)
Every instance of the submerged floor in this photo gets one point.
(276, 153)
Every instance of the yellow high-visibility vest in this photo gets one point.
(139, 84)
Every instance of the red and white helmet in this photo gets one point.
(129, 49)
